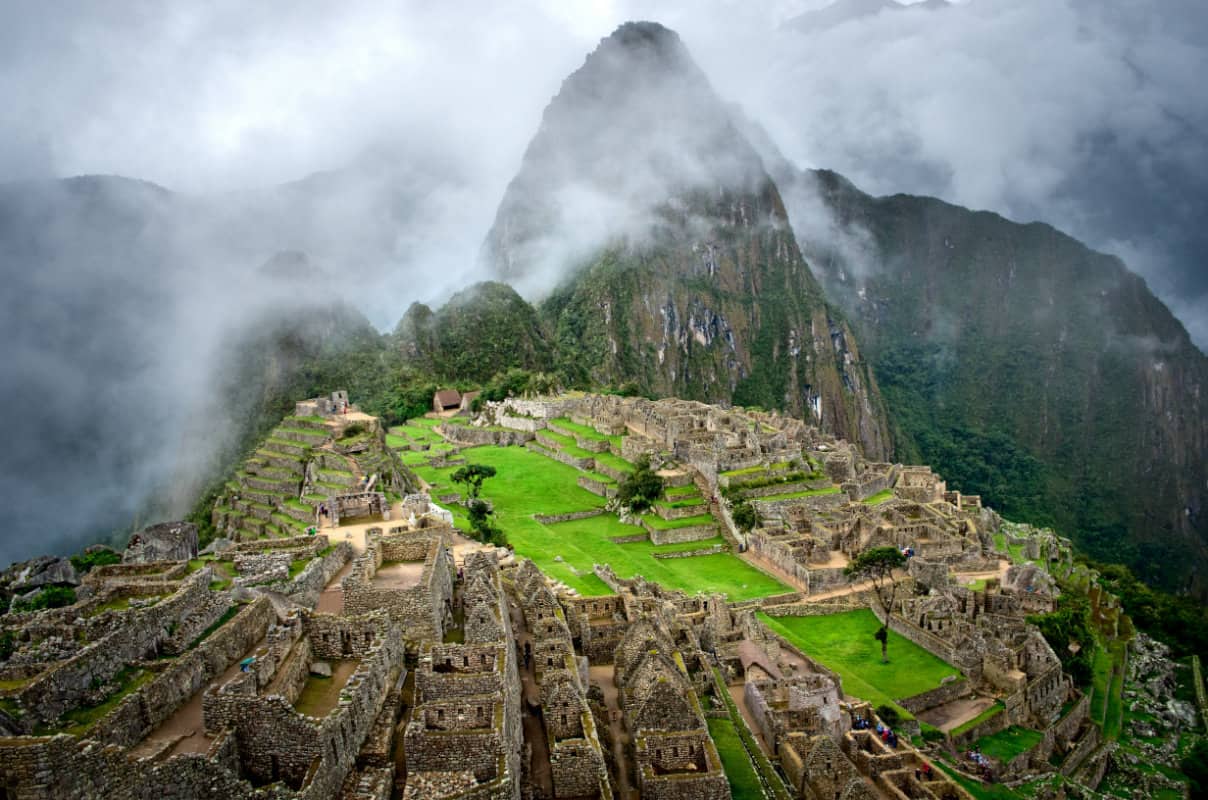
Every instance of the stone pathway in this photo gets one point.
(184, 731)
(602, 675)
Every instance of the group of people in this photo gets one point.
(983, 764)
(884, 731)
(908, 552)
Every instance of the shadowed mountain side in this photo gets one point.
(1024, 367)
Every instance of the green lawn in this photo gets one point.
(758, 468)
(844, 643)
(586, 431)
(1009, 743)
(879, 497)
(740, 772)
(528, 483)
(660, 524)
(795, 495)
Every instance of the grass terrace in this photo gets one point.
(740, 772)
(1009, 743)
(528, 483)
(758, 469)
(585, 431)
(660, 524)
(844, 643)
(796, 495)
(879, 497)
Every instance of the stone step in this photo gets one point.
(301, 435)
(274, 445)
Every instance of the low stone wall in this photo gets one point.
(700, 551)
(637, 537)
(682, 512)
(524, 424)
(472, 436)
(598, 488)
(946, 693)
(777, 508)
(693, 533)
(554, 519)
(306, 587)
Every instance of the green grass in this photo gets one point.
(681, 491)
(758, 468)
(879, 497)
(1009, 743)
(796, 495)
(615, 462)
(740, 772)
(992, 711)
(660, 524)
(586, 431)
(527, 483)
(844, 643)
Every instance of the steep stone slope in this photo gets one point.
(661, 247)
(1025, 367)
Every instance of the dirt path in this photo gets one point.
(602, 675)
(958, 712)
(738, 693)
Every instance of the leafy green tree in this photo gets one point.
(472, 475)
(481, 521)
(97, 558)
(877, 564)
(745, 516)
(641, 487)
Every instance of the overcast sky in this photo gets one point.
(1089, 114)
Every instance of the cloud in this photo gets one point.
(1083, 113)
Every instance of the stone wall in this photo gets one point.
(692, 533)
(421, 607)
(553, 519)
(700, 551)
(65, 685)
(146, 708)
(471, 436)
(946, 693)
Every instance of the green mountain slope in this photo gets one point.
(1029, 369)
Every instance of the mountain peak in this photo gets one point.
(637, 126)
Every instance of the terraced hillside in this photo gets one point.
(303, 462)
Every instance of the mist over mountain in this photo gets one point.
(672, 263)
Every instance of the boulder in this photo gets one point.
(321, 669)
(46, 571)
(167, 541)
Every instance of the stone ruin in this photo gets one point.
(290, 667)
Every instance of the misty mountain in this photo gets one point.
(660, 246)
(843, 11)
(1025, 367)
(147, 332)
(483, 330)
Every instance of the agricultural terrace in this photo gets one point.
(844, 643)
(528, 483)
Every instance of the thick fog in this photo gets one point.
(379, 138)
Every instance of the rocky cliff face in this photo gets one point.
(1027, 368)
(661, 248)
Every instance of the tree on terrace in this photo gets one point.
(877, 564)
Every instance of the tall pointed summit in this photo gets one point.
(647, 224)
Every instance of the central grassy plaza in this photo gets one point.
(844, 643)
(529, 484)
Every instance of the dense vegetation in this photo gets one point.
(1030, 370)
(641, 487)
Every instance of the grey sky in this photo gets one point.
(1089, 115)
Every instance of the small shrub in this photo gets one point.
(889, 715)
(50, 597)
(97, 558)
